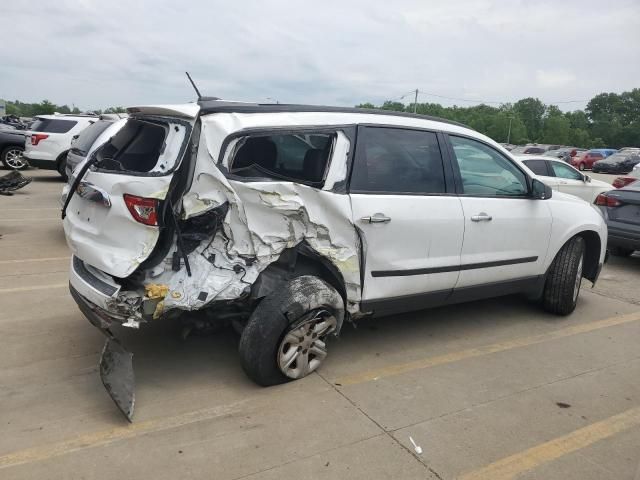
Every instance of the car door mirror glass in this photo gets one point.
(587, 179)
(539, 190)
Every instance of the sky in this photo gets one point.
(96, 54)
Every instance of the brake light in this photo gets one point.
(623, 181)
(606, 201)
(37, 137)
(143, 210)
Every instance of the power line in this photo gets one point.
(458, 99)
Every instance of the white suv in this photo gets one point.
(286, 220)
(49, 140)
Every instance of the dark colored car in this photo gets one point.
(529, 150)
(619, 162)
(11, 148)
(621, 210)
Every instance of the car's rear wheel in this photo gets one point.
(581, 167)
(564, 278)
(285, 337)
(62, 165)
(621, 252)
(12, 158)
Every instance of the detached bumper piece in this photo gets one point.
(13, 181)
(116, 363)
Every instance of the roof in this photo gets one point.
(219, 106)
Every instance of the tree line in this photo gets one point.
(46, 107)
(609, 120)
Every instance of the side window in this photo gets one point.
(563, 171)
(291, 157)
(485, 172)
(539, 167)
(395, 160)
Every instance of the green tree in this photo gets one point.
(531, 112)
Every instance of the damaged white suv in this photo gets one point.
(287, 220)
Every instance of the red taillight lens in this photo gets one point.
(623, 181)
(606, 201)
(143, 210)
(37, 137)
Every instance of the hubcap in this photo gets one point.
(303, 348)
(576, 286)
(14, 159)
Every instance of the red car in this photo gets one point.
(585, 160)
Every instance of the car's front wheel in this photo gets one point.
(285, 337)
(564, 278)
(12, 158)
(581, 167)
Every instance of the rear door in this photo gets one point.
(113, 220)
(506, 233)
(408, 216)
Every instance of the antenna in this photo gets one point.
(194, 85)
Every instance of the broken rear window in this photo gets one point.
(142, 146)
(297, 157)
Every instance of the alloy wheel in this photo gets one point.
(14, 159)
(303, 348)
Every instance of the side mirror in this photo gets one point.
(586, 179)
(540, 191)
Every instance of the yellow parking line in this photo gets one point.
(25, 220)
(32, 288)
(428, 362)
(106, 437)
(514, 465)
(25, 260)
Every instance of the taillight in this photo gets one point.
(606, 201)
(143, 210)
(623, 181)
(37, 137)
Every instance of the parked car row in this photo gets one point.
(53, 142)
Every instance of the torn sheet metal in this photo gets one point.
(116, 373)
(264, 219)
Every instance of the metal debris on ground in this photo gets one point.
(13, 181)
(417, 448)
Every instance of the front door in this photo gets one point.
(506, 234)
(408, 216)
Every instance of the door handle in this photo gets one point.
(481, 217)
(376, 218)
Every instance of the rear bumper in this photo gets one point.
(45, 164)
(627, 236)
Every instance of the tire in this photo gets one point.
(620, 251)
(562, 286)
(305, 307)
(12, 158)
(62, 166)
(581, 167)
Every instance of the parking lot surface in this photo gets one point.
(494, 389)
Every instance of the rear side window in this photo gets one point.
(52, 125)
(296, 157)
(596, 155)
(89, 135)
(539, 167)
(394, 160)
(485, 172)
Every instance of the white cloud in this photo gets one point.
(96, 54)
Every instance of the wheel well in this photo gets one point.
(295, 262)
(61, 157)
(591, 254)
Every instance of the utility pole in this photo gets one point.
(509, 132)
(415, 102)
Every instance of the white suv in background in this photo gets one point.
(287, 220)
(49, 140)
